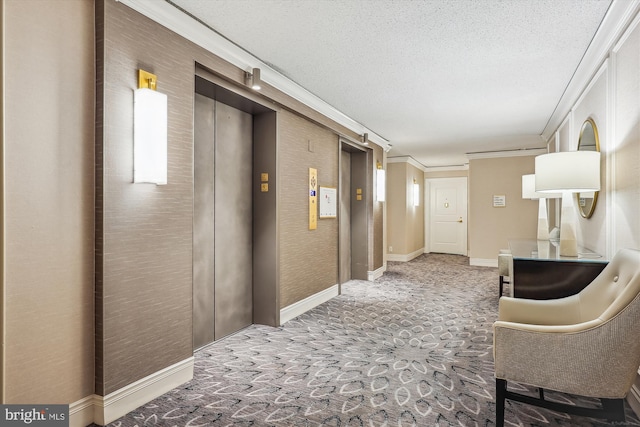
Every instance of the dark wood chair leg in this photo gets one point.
(501, 393)
(501, 286)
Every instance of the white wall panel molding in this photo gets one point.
(619, 15)
(182, 24)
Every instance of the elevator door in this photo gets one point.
(345, 216)
(222, 223)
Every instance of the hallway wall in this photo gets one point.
(48, 156)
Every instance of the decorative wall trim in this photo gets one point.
(480, 262)
(464, 167)
(182, 24)
(123, 401)
(373, 275)
(405, 257)
(302, 306)
(81, 413)
(616, 20)
(507, 153)
(406, 159)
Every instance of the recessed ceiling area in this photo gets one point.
(437, 79)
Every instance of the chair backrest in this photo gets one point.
(614, 288)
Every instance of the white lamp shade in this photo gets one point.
(529, 189)
(571, 171)
(149, 136)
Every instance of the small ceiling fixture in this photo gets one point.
(252, 79)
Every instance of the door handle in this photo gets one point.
(460, 219)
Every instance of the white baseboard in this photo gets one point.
(373, 275)
(81, 413)
(302, 306)
(117, 404)
(405, 258)
(481, 262)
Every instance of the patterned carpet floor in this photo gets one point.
(413, 348)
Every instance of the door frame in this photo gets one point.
(428, 212)
(362, 179)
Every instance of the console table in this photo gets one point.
(539, 272)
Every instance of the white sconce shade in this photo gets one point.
(568, 172)
(572, 171)
(381, 185)
(416, 193)
(149, 137)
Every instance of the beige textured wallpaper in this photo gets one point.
(414, 226)
(397, 205)
(308, 258)
(48, 177)
(490, 227)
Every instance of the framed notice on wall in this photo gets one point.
(328, 202)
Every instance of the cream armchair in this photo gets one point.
(586, 344)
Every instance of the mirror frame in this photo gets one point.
(584, 212)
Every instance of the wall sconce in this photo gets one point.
(529, 192)
(569, 172)
(416, 193)
(149, 131)
(252, 79)
(381, 183)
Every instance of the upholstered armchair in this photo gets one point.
(586, 344)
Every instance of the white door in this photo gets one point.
(447, 221)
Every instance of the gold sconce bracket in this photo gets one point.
(378, 165)
(147, 80)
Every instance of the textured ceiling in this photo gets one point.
(436, 78)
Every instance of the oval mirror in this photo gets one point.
(588, 141)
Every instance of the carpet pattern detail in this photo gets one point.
(413, 348)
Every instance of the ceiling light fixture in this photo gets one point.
(252, 79)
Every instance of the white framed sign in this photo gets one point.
(499, 201)
(328, 202)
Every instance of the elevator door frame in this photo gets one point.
(360, 212)
(264, 262)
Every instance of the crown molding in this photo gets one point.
(617, 19)
(407, 159)
(464, 167)
(507, 153)
(182, 24)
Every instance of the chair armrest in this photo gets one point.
(561, 311)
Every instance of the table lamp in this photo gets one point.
(568, 172)
(529, 192)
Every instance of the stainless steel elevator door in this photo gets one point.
(233, 225)
(222, 223)
(203, 222)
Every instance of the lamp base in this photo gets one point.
(568, 239)
(543, 221)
